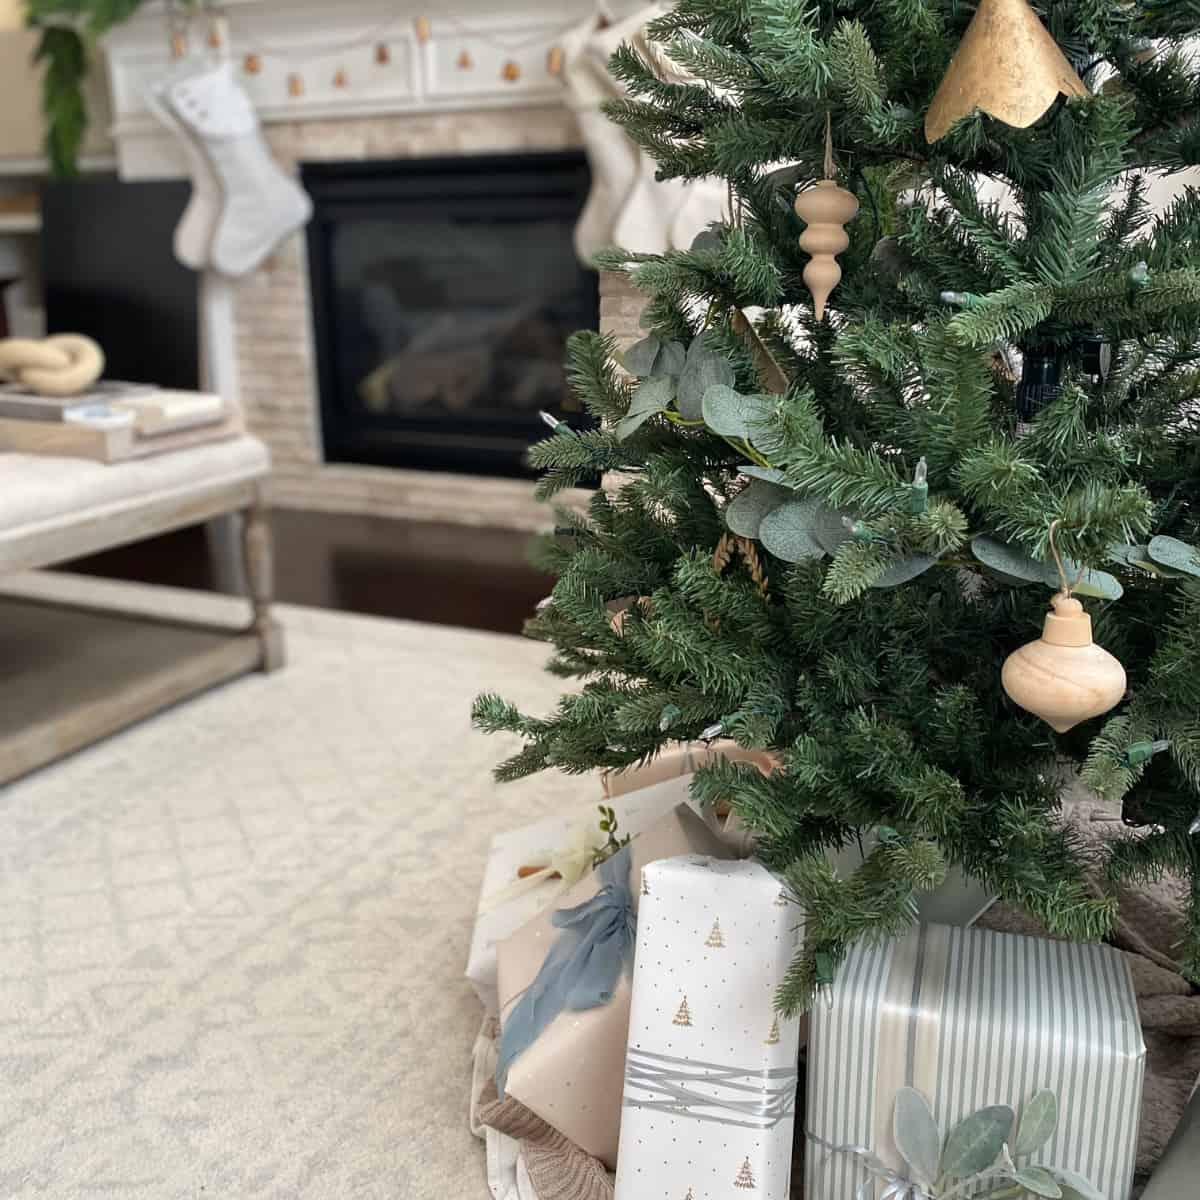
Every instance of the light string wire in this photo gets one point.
(177, 21)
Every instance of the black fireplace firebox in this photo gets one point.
(443, 292)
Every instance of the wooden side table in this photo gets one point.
(73, 677)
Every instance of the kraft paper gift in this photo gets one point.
(970, 1018)
(710, 1078)
(563, 842)
(1177, 1176)
(571, 1073)
(680, 759)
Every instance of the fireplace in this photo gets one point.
(443, 292)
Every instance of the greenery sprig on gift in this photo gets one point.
(981, 1157)
(613, 844)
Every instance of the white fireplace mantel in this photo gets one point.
(314, 40)
(257, 330)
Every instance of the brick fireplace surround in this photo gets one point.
(259, 328)
(275, 356)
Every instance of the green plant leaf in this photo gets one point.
(905, 570)
(1039, 1181)
(671, 359)
(745, 512)
(1076, 1187)
(770, 474)
(1100, 584)
(1176, 555)
(786, 531)
(917, 1136)
(733, 415)
(652, 396)
(708, 239)
(704, 368)
(1007, 560)
(640, 358)
(976, 1141)
(829, 529)
(1039, 1120)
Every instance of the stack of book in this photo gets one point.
(113, 421)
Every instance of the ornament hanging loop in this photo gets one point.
(1067, 588)
(830, 165)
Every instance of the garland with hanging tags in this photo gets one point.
(380, 38)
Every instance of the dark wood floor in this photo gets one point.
(447, 574)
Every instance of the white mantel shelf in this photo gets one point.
(315, 39)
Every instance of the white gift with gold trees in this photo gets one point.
(710, 1074)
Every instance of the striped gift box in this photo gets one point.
(971, 1018)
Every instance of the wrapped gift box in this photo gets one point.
(970, 1018)
(710, 1078)
(680, 759)
(572, 1074)
(505, 903)
(1177, 1176)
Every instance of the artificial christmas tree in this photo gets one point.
(900, 489)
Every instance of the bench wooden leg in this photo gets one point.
(259, 558)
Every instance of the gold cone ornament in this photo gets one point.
(825, 208)
(1008, 65)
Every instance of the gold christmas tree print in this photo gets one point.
(683, 1015)
(715, 939)
(745, 1179)
(772, 1038)
(690, 1195)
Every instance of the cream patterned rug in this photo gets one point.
(232, 938)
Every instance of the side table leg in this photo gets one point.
(259, 558)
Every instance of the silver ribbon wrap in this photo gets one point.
(896, 1185)
(741, 1097)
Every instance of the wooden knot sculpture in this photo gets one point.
(63, 365)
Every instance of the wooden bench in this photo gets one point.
(68, 678)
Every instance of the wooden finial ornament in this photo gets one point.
(340, 78)
(383, 54)
(825, 208)
(178, 45)
(422, 29)
(1007, 65)
(295, 85)
(252, 64)
(511, 71)
(464, 62)
(1064, 677)
(554, 60)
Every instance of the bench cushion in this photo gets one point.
(40, 493)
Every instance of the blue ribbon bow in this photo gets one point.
(583, 965)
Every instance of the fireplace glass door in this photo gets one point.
(443, 294)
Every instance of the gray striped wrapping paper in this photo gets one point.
(972, 1018)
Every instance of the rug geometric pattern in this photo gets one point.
(232, 938)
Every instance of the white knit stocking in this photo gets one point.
(262, 205)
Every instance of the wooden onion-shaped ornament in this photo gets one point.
(825, 209)
(1007, 65)
(1064, 677)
